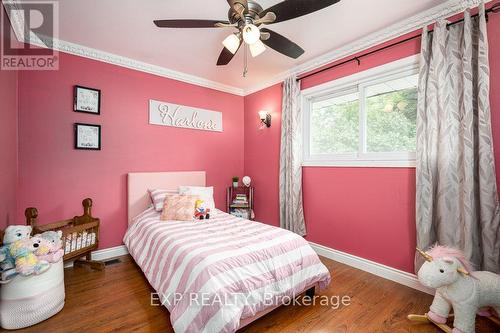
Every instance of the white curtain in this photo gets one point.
(291, 210)
(457, 198)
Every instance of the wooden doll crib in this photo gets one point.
(80, 235)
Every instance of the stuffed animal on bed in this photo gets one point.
(12, 234)
(53, 240)
(25, 253)
(200, 211)
(448, 271)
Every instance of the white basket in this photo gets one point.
(28, 300)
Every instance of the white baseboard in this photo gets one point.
(105, 254)
(109, 253)
(386, 272)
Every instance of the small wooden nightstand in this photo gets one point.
(237, 207)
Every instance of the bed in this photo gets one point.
(215, 275)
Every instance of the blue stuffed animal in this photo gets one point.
(25, 253)
(12, 234)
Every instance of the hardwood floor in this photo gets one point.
(118, 300)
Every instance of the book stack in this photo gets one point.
(240, 201)
(243, 213)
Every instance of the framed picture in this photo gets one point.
(87, 136)
(87, 100)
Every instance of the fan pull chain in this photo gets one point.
(245, 60)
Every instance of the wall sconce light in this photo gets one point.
(265, 118)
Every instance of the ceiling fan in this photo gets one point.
(247, 16)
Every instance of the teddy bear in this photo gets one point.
(54, 242)
(25, 253)
(12, 234)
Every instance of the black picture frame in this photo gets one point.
(79, 108)
(80, 145)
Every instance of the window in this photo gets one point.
(367, 119)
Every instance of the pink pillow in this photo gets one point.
(158, 197)
(179, 207)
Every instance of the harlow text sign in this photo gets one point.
(168, 114)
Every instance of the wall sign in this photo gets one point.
(168, 114)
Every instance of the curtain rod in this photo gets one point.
(493, 9)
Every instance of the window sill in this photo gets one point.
(362, 163)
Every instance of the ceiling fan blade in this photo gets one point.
(282, 44)
(189, 23)
(226, 56)
(291, 9)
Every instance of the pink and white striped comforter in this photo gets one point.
(213, 273)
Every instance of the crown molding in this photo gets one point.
(110, 58)
(414, 23)
(444, 10)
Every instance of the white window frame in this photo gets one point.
(351, 84)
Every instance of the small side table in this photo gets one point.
(244, 210)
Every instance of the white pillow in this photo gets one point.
(205, 193)
(158, 197)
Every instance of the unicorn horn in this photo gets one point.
(425, 255)
(462, 270)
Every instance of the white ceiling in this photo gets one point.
(125, 28)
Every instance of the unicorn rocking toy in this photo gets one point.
(457, 287)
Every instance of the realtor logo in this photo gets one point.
(27, 44)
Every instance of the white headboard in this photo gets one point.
(139, 183)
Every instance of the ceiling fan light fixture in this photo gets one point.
(251, 34)
(247, 16)
(257, 48)
(232, 43)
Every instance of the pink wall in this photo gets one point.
(367, 212)
(262, 150)
(8, 140)
(54, 177)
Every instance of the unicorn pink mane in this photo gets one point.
(438, 251)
